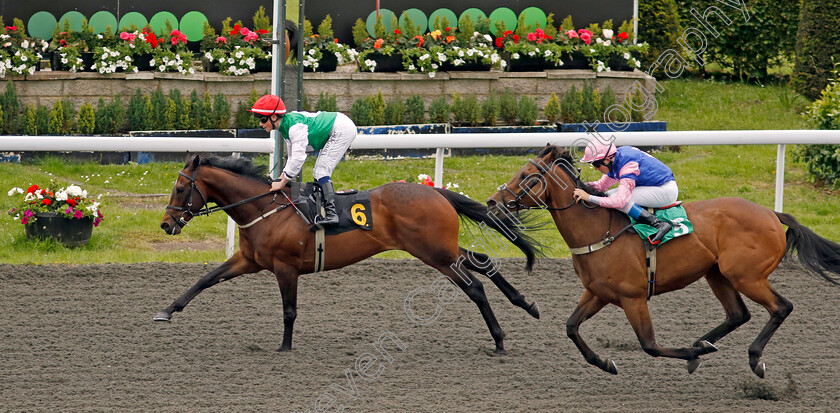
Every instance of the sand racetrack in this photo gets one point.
(81, 338)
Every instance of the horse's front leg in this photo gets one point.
(234, 267)
(637, 313)
(287, 280)
(588, 306)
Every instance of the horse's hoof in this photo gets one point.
(163, 316)
(284, 349)
(759, 370)
(693, 365)
(707, 347)
(610, 367)
(500, 351)
(534, 310)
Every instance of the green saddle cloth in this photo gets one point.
(675, 215)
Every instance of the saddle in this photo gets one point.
(675, 214)
(352, 206)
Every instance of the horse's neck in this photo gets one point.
(227, 189)
(579, 226)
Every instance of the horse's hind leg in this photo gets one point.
(588, 306)
(482, 264)
(234, 267)
(777, 306)
(637, 313)
(475, 291)
(736, 311)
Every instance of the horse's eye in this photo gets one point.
(179, 190)
(522, 177)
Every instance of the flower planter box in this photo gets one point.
(71, 232)
(143, 62)
(329, 63)
(261, 65)
(386, 64)
(447, 66)
(87, 61)
(575, 60)
(528, 64)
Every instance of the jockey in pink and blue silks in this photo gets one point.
(642, 180)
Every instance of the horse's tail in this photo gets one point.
(817, 253)
(506, 226)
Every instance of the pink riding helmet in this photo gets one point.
(596, 150)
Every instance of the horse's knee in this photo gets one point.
(571, 330)
(289, 316)
(783, 309)
(651, 348)
(740, 317)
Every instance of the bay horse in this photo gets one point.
(735, 245)
(418, 219)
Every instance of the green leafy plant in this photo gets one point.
(490, 110)
(326, 102)
(87, 119)
(56, 121)
(552, 109)
(466, 110)
(439, 110)
(221, 112)
(395, 111)
(528, 110)
(415, 109)
(137, 112)
(508, 107)
(817, 47)
(570, 106)
(360, 112)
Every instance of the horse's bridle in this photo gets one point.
(515, 202)
(187, 208)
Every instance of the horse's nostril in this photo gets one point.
(491, 202)
(164, 226)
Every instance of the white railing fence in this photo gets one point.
(437, 141)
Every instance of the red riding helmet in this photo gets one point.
(269, 105)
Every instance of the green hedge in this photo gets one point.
(817, 46)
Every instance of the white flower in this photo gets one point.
(608, 42)
(435, 66)
(24, 58)
(627, 55)
(531, 53)
(152, 63)
(231, 60)
(311, 52)
(25, 44)
(599, 40)
(488, 38)
(514, 56)
(32, 70)
(432, 74)
(608, 34)
(162, 68)
(15, 190)
(7, 44)
(61, 196)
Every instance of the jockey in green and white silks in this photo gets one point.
(329, 133)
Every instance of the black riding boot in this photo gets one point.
(662, 227)
(328, 200)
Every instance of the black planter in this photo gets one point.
(209, 66)
(447, 66)
(618, 62)
(55, 60)
(575, 60)
(262, 65)
(143, 61)
(527, 63)
(194, 47)
(328, 63)
(87, 61)
(71, 232)
(386, 64)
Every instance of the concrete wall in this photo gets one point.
(44, 87)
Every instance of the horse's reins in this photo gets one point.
(515, 203)
(208, 210)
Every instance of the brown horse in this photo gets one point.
(418, 219)
(735, 245)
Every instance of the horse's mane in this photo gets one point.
(239, 166)
(562, 155)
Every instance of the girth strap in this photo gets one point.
(650, 262)
(320, 252)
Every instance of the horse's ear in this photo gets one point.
(187, 160)
(195, 162)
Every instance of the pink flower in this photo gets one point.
(68, 211)
(177, 36)
(572, 34)
(128, 36)
(24, 220)
(587, 38)
(532, 37)
(249, 35)
(97, 221)
(28, 213)
(78, 214)
(585, 31)
(221, 39)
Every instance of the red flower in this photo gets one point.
(152, 39)
(622, 36)
(71, 202)
(12, 28)
(448, 29)
(32, 189)
(507, 33)
(397, 31)
(515, 38)
(499, 42)
(262, 31)
(46, 201)
(378, 43)
(235, 30)
(336, 40)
